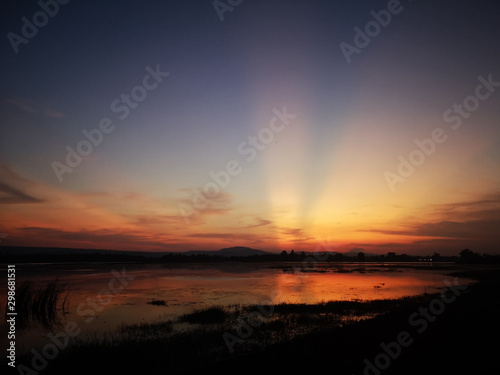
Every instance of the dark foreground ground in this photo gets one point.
(463, 339)
(454, 335)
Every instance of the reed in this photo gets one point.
(40, 304)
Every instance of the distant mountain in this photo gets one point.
(237, 251)
(52, 251)
(240, 251)
(60, 251)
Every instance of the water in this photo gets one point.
(104, 296)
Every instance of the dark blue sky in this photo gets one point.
(225, 79)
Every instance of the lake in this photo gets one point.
(104, 296)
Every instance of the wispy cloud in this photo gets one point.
(472, 223)
(449, 229)
(259, 223)
(212, 235)
(201, 206)
(27, 106)
(14, 188)
(236, 238)
(155, 219)
(296, 232)
(112, 238)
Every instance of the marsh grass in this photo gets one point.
(40, 304)
(295, 338)
(196, 338)
(203, 328)
(157, 302)
(208, 315)
(144, 331)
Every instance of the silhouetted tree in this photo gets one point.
(361, 256)
(391, 256)
(468, 256)
(338, 257)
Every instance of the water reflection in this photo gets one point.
(181, 289)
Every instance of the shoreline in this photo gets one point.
(288, 331)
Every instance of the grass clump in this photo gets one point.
(158, 302)
(207, 315)
(40, 304)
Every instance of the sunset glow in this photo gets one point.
(305, 140)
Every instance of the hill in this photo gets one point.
(53, 254)
(236, 251)
(240, 251)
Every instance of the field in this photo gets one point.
(431, 333)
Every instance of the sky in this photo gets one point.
(278, 125)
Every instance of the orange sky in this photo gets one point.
(35, 214)
(199, 133)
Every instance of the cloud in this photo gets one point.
(213, 235)
(489, 200)
(31, 107)
(298, 237)
(76, 218)
(197, 205)
(155, 219)
(240, 238)
(15, 195)
(52, 113)
(296, 232)
(114, 238)
(260, 223)
(472, 223)
(451, 229)
(15, 188)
